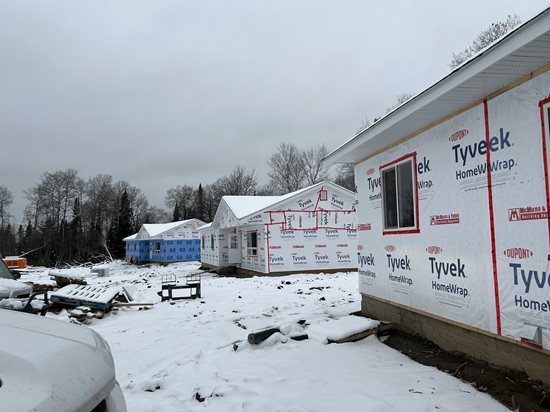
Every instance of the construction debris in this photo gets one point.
(64, 280)
(384, 326)
(96, 297)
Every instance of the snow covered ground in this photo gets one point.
(180, 355)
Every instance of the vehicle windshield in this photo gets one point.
(4, 271)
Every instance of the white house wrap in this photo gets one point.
(312, 229)
(469, 241)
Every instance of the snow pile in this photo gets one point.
(334, 329)
(10, 287)
(181, 356)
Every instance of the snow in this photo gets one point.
(9, 287)
(243, 206)
(155, 229)
(131, 237)
(181, 355)
(246, 205)
(343, 327)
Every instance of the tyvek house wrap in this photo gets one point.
(449, 268)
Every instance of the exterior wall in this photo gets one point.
(256, 263)
(312, 249)
(137, 250)
(455, 338)
(186, 231)
(179, 250)
(217, 256)
(480, 257)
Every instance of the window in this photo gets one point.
(399, 196)
(252, 244)
(202, 241)
(157, 247)
(135, 247)
(212, 242)
(234, 243)
(323, 195)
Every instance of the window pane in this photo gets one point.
(390, 199)
(406, 194)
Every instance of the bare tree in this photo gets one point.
(345, 176)
(240, 182)
(156, 215)
(286, 168)
(101, 202)
(6, 199)
(488, 36)
(184, 197)
(314, 169)
(401, 98)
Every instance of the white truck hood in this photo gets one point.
(50, 365)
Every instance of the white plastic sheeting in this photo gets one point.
(447, 269)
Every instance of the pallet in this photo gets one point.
(96, 297)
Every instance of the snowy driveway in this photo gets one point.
(180, 357)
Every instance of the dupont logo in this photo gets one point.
(297, 246)
(518, 253)
(434, 250)
(320, 246)
(342, 245)
(360, 247)
(389, 248)
(274, 247)
(527, 213)
(370, 171)
(364, 226)
(458, 135)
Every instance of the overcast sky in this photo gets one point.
(161, 93)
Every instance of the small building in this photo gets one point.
(165, 242)
(453, 199)
(310, 230)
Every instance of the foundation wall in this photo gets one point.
(451, 337)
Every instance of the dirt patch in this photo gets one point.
(512, 388)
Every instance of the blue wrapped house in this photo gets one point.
(165, 242)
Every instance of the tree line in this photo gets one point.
(71, 220)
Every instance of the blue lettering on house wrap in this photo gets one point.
(397, 263)
(530, 278)
(445, 268)
(480, 148)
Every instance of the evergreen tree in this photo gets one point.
(176, 214)
(124, 224)
(201, 204)
(75, 233)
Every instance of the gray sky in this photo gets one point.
(161, 93)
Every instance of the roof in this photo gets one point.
(131, 237)
(207, 226)
(155, 229)
(243, 206)
(516, 55)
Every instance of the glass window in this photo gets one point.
(252, 243)
(398, 194)
(157, 247)
(212, 242)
